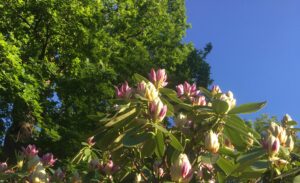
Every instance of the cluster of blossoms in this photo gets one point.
(150, 92)
(278, 136)
(188, 91)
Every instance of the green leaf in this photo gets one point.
(221, 177)
(148, 147)
(205, 92)
(247, 108)
(296, 179)
(226, 165)
(121, 117)
(131, 139)
(171, 94)
(175, 143)
(220, 106)
(139, 78)
(160, 144)
(292, 123)
(227, 151)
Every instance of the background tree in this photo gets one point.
(60, 60)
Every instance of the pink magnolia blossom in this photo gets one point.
(30, 151)
(48, 159)
(181, 170)
(124, 91)
(158, 78)
(199, 101)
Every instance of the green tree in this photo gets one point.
(60, 60)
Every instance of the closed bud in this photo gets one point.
(48, 159)
(212, 142)
(124, 91)
(215, 90)
(157, 110)
(187, 90)
(30, 151)
(91, 141)
(229, 99)
(158, 78)
(290, 143)
(273, 145)
(141, 87)
(282, 136)
(181, 169)
(286, 118)
(275, 129)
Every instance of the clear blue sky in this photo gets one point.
(256, 49)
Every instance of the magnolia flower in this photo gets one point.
(212, 142)
(124, 91)
(30, 151)
(215, 90)
(109, 168)
(157, 110)
(151, 92)
(91, 141)
(290, 143)
(187, 90)
(48, 159)
(158, 78)
(199, 101)
(181, 170)
(273, 145)
(3, 166)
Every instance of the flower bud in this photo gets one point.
(282, 136)
(286, 118)
(91, 141)
(199, 101)
(124, 91)
(141, 87)
(181, 170)
(275, 129)
(3, 166)
(48, 159)
(187, 90)
(158, 78)
(30, 151)
(212, 142)
(250, 139)
(109, 168)
(229, 99)
(215, 90)
(157, 110)
(273, 145)
(151, 92)
(290, 143)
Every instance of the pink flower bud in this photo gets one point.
(91, 141)
(141, 87)
(199, 101)
(187, 90)
(124, 91)
(212, 142)
(158, 78)
(3, 166)
(109, 168)
(30, 151)
(157, 110)
(181, 170)
(273, 145)
(48, 159)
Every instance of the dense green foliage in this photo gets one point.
(60, 59)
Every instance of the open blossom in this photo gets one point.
(109, 168)
(48, 159)
(3, 166)
(30, 151)
(273, 145)
(212, 142)
(187, 90)
(199, 101)
(157, 110)
(124, 91)
(158, 78)
(181, 170)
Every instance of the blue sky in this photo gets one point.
(256, 49)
